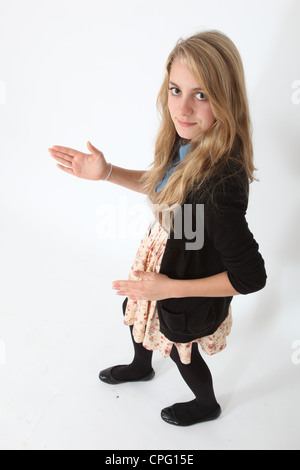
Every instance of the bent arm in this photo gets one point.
(213, 286)
(227, 228)
(159, 286)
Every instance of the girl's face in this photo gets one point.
(189, 108)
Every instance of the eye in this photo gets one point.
(201, 96)
(175, 91)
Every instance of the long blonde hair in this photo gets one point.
(216, 63)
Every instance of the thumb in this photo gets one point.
(91, 148)
(143, 275)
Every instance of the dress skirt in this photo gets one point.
(143, 315)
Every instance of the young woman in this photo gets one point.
(179, 292)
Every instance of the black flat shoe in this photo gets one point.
(168, 414)
(107, 377)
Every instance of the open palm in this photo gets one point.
(90, 166)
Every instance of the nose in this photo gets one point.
(185, 107)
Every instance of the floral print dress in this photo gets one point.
(143, 315)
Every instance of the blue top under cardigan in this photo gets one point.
(181, 154)
(179, 157)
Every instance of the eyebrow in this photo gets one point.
(194, 89)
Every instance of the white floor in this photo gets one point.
(60, 324)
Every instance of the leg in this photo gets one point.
(139, 369)
(198, 378)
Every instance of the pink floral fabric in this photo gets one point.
(143, 314)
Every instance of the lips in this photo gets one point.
(186, 124)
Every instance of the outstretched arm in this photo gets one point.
(93, 166)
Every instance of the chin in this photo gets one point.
(188, 135)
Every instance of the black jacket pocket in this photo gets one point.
(173, 322)
(185, 319)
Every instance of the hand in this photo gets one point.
(90, 166)
(150, 286)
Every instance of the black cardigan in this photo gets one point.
(228, 246)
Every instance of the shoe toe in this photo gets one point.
(107, 377)
(169, 416)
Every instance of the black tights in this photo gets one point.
(141, 364)
(196, 375)
(198, 378)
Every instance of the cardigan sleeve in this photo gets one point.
(226, 226)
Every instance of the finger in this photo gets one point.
(64, 161)
(56, 153)
(66, 169)
(118, 284)
(66, 150)
(123, 287)
(128, 285)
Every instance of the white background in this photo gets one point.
(78, 70)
